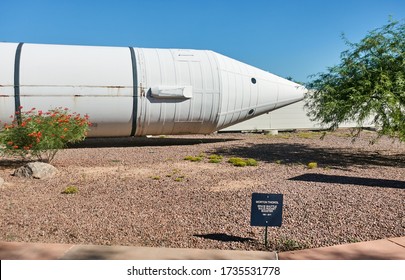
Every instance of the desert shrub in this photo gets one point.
(70, 190)
(240, 162)
(179, 178)
(312, 165)
(193, 158)
(286, 244)
(214, 158)
(251, 162)
(235, 159)
(41, 134)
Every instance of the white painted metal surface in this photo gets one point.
(7, 54)
(137, 91)
(290, 117)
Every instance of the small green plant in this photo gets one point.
(10, 237)
(279, 161)
(42, 134)
(196, 159)
(353, 240)
(193, 158)
(215, 158)
(286, 244)
(179, 179)
(70, 190)
(312, 165)
(155, 177)
(251, 162)
(240, 162)
(233, 160)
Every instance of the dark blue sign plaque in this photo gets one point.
(267, 210)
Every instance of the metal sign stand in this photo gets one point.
(265, 236)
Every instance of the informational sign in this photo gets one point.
(267, 210)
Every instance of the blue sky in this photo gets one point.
(287, 38)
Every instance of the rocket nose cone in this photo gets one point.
(247, 91)
(289, 92)
(275, 92)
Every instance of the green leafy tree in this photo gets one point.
(369, 83)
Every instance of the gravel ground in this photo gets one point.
(141, 192)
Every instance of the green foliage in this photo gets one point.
(70, 190)
(193, 158)
(312, 165)
(179, 178)
(234, 160)
(41, 135)
(286, 244)
(251, 162)
(240, 162)
(155, 177)
(215, 158)
(368, 83)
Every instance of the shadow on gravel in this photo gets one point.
(144, 141)
(224, 237)
(10, 163)
(285, 153)
(370, 182)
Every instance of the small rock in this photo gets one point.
(37, 170)
(1, 181)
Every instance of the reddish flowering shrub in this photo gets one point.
(41, 134)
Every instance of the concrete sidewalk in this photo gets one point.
(386, 249)
(41, 251)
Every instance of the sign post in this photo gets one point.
(267, 210)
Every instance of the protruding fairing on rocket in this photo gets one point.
(138, 91)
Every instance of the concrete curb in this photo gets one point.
(41, 251)
(385, 249)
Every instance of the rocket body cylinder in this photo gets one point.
(137, 91)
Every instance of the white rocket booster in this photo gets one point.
(137, 91)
